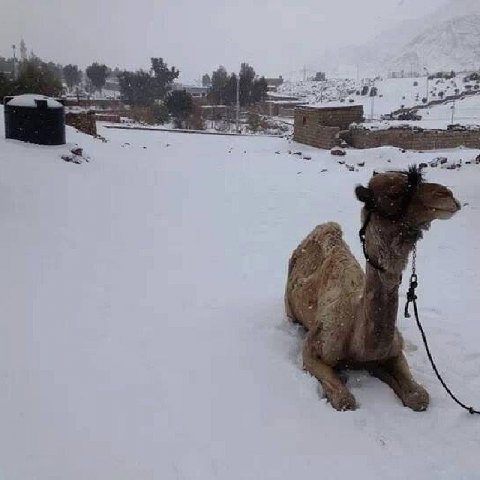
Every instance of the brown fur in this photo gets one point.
(350, 315)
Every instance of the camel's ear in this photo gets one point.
(363, 194)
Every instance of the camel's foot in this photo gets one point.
(396, 374)
(416, 398)
(336, 392)
(342, 400)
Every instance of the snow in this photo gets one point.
(29, 100)
(393, 94)
(143, 330)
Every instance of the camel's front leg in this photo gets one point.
(396, 373)
(336, 392)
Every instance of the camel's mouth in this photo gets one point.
(447, 210)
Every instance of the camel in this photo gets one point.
(350, 316)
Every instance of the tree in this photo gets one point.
(206, 80)
(97, 73)
(5, 86)
(72, 75)
(164, 77)
(218, 83)
(38, 78)
(259, 90)
(180, 106)
(247, 76)
(23, 51)
(136, 88)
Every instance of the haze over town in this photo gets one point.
(281, 36)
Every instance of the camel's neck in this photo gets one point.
(375, 332)
(378, 309)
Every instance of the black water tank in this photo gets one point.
(35, 119)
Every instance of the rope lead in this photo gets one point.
(412, 298)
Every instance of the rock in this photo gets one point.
(360, 164)
(305, 157)
(434, 163)
(351, 168)
(77, 151)
(298, 153)
(477, 160)
(323, 170)
(277, 153)
(341, 162)
(338, 151)
(423, 165)
(71, 159)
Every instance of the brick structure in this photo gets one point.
(412, 138)
(321, 127)
(84, 122)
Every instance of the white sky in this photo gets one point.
(275, 36)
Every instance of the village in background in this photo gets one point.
(321, 109)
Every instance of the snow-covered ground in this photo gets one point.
(143, 331)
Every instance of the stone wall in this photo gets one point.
(320, 127)
(84, 122)
(412, 139)
(316, 135)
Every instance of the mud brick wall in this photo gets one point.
(410, 139)
(85, 122)
(320, 127)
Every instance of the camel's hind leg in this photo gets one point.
(396, 373)
(336, 392)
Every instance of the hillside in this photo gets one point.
(447, 39)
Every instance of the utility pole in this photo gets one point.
(453, 111)
(426, 71)
(372, 106)
(14, 62)
(238, 104)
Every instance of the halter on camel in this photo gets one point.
(414, 179)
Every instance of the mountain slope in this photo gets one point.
(453, 44)
(447, 39)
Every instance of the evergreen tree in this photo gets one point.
(259, 90)
(206, 80)
(163, 76)
(136, 88)
(23, 51)
(180, 105)
(247, 76)
(218, 85)
(72, 75)
(35, 77)
(5, 86)
(97, 73)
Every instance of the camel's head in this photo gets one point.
(404, 197)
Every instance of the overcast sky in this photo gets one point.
(275, 36)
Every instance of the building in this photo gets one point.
(274, 83)
(321, 126)
(194, 91)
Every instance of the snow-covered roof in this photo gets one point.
(29, 100)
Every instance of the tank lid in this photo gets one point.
(30, 100)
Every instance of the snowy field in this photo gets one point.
(143, 330)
